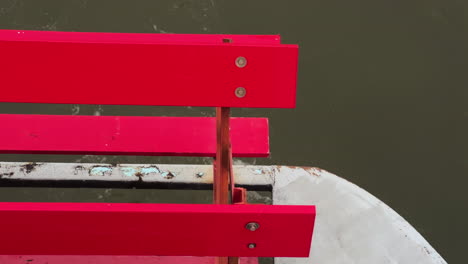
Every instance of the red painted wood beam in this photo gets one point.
(133, 38)
(155, 229)
(129, 135)
(39, 259)
(132, 71)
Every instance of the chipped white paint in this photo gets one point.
(149, 170)
(247, 175)
(100, 171)
(352, 226)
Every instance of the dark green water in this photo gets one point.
(382, 94)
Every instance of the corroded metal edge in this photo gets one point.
(150, 173)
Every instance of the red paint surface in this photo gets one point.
(129, 135)
(144, 69)
(87, 68)
(37, 259)
(154, 229)
(142, 38)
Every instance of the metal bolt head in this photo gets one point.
(240, 92)
(252, 245)
(241, 62)
(252, 226)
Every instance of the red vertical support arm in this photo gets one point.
(221, 176)
(232, 260)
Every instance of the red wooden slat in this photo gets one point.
(155, 229)
(38, 259)
(141, 73)
(129, 135)
(133, 38)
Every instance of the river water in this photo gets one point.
(381, 100)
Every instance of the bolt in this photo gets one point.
(240, 92)
(252, 226)
(251, 245)
(241, 62)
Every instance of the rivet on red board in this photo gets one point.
(240, 92)
(241, 62)
(252, 226)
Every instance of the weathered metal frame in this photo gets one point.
(33, 173)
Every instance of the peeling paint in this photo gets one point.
(314, 171)
(168, 175)
(29, 167)
(6, 174)
(128, 171)
(148, 170)
(100, 171)
(77, 169)
(258, 171)
(132, 172)
(139, 171)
